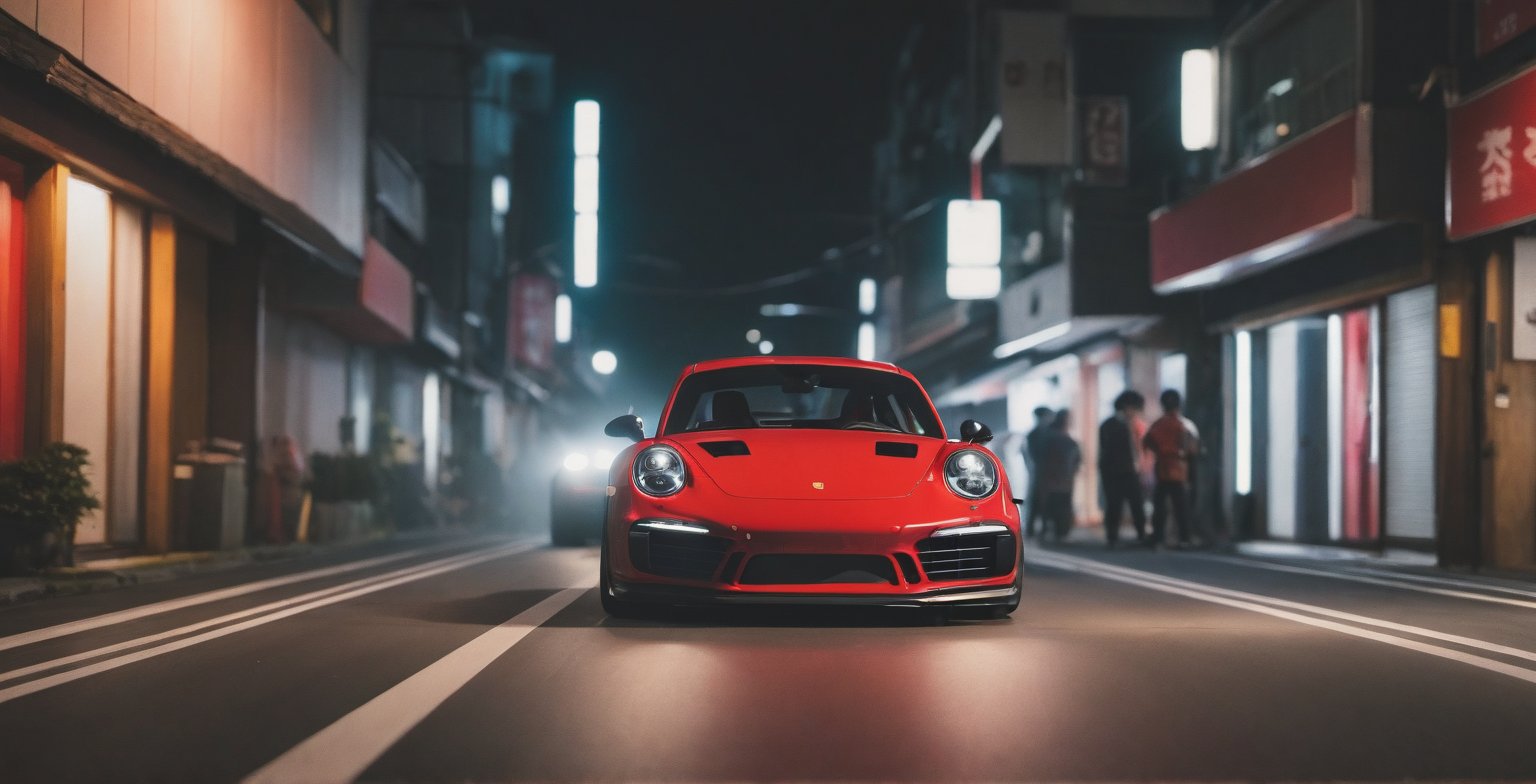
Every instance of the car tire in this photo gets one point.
(613, 605)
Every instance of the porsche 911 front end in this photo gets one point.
(808, 481)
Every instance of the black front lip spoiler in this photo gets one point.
(946, 597)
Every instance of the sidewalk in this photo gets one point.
(107, 573)
(1391, 559)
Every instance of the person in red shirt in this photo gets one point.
(1173, 441)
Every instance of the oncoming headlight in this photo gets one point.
(970, 474)
(659, 471)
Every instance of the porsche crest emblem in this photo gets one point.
(819, 485)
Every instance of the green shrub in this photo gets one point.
(45, 493)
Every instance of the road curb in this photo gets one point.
(76, 580)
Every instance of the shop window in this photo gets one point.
(1294, 77)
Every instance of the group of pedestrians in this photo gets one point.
(1126, 444)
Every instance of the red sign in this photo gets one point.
(531, 321)
(1106, 156)
(1499, 21)
(388, 293)
(1492, 151)
(1261, 214)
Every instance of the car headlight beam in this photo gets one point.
(970, 474)
(659, 471)
(576, 461)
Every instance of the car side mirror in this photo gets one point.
(626, 426)
(974, 432)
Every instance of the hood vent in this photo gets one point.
(895, 449)
(731, 448)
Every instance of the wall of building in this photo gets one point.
(252, 80)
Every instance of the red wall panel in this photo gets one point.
(13, 313)
(1307, 185)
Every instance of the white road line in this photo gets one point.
(169, 605)
(1261, 605)
(1424, 578)
(1382, 581)
(139, 642)
(1457, 639)
(406, 576)
(342, 751)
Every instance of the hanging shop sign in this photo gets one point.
(1106, 151)
(531, 321)
(1033, 89)
(1500, 21)
(1492, 150)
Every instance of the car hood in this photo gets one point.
(810, 464)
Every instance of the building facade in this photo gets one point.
(200, 244)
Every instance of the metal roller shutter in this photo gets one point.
(1409, 389)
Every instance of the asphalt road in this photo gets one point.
(489, 660)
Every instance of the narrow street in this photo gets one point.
(486, 659)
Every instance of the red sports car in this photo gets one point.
(807, 480)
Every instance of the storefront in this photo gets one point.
(1491, 151)
(1327, 312)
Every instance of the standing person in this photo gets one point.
(1034, 443)
(1059, 460)
(1173, 441)
(1120, 467)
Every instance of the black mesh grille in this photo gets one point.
(818, 569)
(967, 556)
(675, 554)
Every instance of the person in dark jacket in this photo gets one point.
(1060, 459)
(1034, 442)
(1119, 467)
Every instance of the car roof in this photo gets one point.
(736, 362)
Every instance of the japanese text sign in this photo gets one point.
(1492, 150)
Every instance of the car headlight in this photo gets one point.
(659, 471)
(970, 474)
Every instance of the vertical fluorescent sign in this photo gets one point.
(975, 247)
(867, 296)
(867, 341)
(563, 318)
(1243, 416)
(586, 138)
(1197, 99)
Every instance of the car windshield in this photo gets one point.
(802, 396)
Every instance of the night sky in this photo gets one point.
(737, 145)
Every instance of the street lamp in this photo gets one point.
(604, 362)
(765, 347)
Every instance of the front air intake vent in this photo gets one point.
(686, 556)
(725, 448)
(967, 556)
(895, 449)
(818, 569)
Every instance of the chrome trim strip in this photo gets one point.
(998, 593)
(672, 525)
(978, 528)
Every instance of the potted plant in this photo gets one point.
(42, 499)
